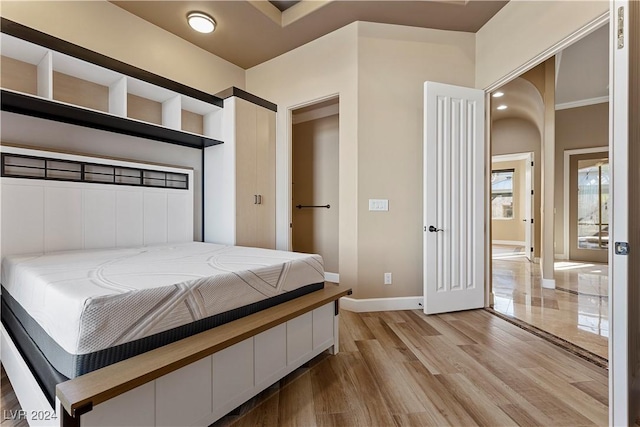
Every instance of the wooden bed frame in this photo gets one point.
(206, 375)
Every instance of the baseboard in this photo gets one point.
(561, 256)
(508, 242)
(331, 277)
(548, 283)
(381, 304)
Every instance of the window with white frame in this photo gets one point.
(502, 194)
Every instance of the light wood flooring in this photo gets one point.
(576, 311)
(404, 368)
(461, 369)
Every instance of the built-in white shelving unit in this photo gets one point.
(46, 83)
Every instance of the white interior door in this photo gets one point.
(528, 207)
(454, 196)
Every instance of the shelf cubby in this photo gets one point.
(19, 75)
(43, 82)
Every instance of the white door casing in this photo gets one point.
(454, 198)
(528, 207)
(619, 351)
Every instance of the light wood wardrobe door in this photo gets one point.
(245, 173)
(266, 178)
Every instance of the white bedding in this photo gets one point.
(90, 300)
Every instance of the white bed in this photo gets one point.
(79, 303)
(94, 218)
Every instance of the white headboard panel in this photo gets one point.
(45, 215)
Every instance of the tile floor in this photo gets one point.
(576, 311)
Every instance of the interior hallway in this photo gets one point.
(576, 311)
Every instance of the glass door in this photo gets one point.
(589, 207)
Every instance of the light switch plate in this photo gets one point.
(378, 204)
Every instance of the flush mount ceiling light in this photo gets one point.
(201, 22)
(498, 94)
(502, 107)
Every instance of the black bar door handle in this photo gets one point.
(433, 229)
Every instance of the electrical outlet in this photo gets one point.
(387, 278)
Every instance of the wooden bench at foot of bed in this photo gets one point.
(199, 379)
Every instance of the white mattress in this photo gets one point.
(90, 300)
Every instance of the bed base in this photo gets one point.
(195, 381)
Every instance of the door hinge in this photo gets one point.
(532, 192)
(531, 163)
(620, 27)
(532, 249)
(425, 228)
(531, 220)
(290, 225)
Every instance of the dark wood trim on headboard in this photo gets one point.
(234, 91)
(34, 36)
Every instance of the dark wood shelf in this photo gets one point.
(52, 110)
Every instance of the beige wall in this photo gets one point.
(393, 64)
(315, 182)
(582, 127)
(512, 229)
(511, 136)
(523, 29)
(107, 29)
(322, 68)
(378, 70)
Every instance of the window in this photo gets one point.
(593, 204)
(502, 194)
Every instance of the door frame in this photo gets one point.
(328, 276)
(566, 222)
(289, 116)
(527, 156)
(619, 370)
(578, 34)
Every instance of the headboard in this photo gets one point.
(54, 201)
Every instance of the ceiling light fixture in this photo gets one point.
(201, 22)
(502, 107)
(498, 94)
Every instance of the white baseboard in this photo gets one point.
(561, 256)
(331, 277)
(508, 242)
(381, 304)
(548, 283)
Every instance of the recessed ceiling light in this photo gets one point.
(502, 107)
(201, 22)
(498, 94)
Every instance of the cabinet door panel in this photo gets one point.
(184, 397)
(299, 338)
(266, 177)
(245, 173)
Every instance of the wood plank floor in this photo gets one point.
(407, 369)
